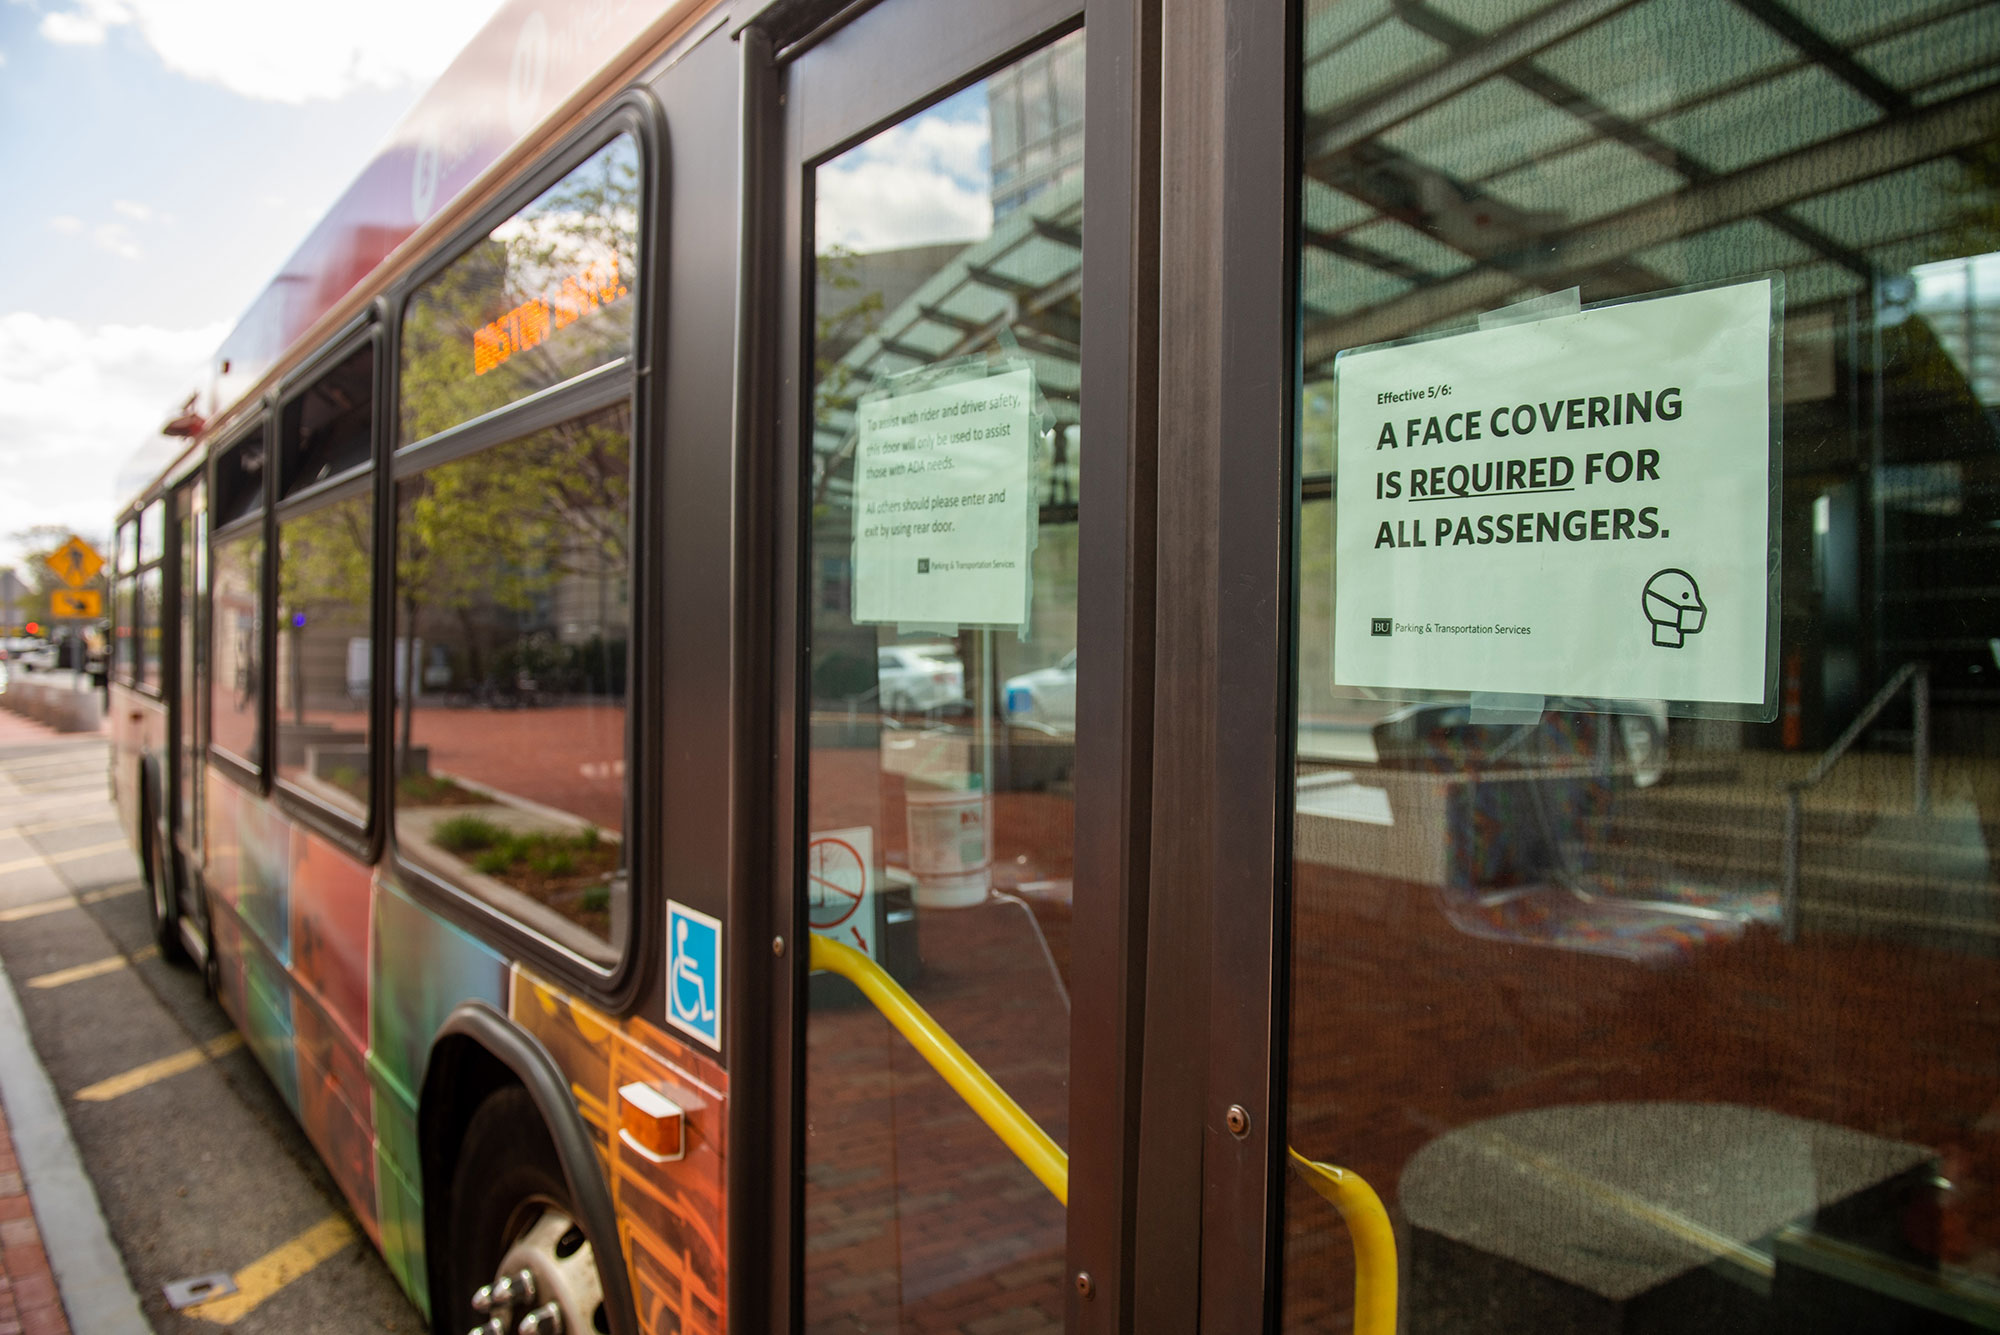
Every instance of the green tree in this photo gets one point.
(495, 531)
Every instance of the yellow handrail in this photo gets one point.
(1373, 1238)
(1018, 1131)
(1367, 1222)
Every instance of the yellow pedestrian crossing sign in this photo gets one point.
(75, 562)
(84, 604)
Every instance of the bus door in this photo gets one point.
(190, 585)
(945, 872)
(1642, 909)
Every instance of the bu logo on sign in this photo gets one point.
(694, 973)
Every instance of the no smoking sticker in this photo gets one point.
(840, 887)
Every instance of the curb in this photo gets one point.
(96, 1293)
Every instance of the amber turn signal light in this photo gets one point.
(650, 1124)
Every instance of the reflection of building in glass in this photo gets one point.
(1960, 300)
(1419, 214)
(1037, 112)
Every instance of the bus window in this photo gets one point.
(125, 604)
(547, 295)
(325, 581)
(944, 445)
(513, 620)
(146, 632)
(239, 480)
(236, 629)
(326, 431)
(151, 608)
(153, 533)
(1643, 906)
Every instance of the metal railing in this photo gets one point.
(1373, 1237)
(1917, 677)
(1368, 1226)
(1017, 1131)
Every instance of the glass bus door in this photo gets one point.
(188, 597)
(1642, 903)
(937, 156)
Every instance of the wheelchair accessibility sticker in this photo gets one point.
(694, 973)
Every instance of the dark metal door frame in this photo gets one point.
(846, 83)
(1210, 1236)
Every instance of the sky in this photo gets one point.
(926, 179)
(161, 159)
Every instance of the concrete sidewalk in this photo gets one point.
(62, 1271)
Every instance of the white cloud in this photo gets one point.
(923, 181)
(136, 212)
(285, 52)
(66, 223)
(72, 30)
(75, 402)
(116, 238)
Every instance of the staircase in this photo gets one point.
(1870, 865)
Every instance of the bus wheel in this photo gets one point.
(519, 1263)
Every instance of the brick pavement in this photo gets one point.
(18, 731)
(29, 1303)
(1404, 1028)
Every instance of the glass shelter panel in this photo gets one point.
(941, 592)
(513, 617)
(1643, 910)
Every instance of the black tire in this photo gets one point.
(507, 1172)
(163, 900)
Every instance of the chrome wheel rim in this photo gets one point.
(547, 1283)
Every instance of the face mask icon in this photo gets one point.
(1673, 604)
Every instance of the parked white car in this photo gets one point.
(914, 677)
(31, 655)
(1046, 696)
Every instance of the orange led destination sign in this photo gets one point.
(529, 325)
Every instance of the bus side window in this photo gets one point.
(236, 614)
(514, 563)
(324, 594)
(124, 604)
(513, 617)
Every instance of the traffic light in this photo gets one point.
(33, 628)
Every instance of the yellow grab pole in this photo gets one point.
(1374, 1242)
(1018, 1131)
(1367, 1222)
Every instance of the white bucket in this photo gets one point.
(951, 849)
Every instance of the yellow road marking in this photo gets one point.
(153, 1072)
(275, 1269)
(37, 909)
(94, 969)
(51, 826)
(41, 906)
(22, 864)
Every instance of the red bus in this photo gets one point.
(599, 688)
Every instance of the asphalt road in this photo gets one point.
(198, 1164)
